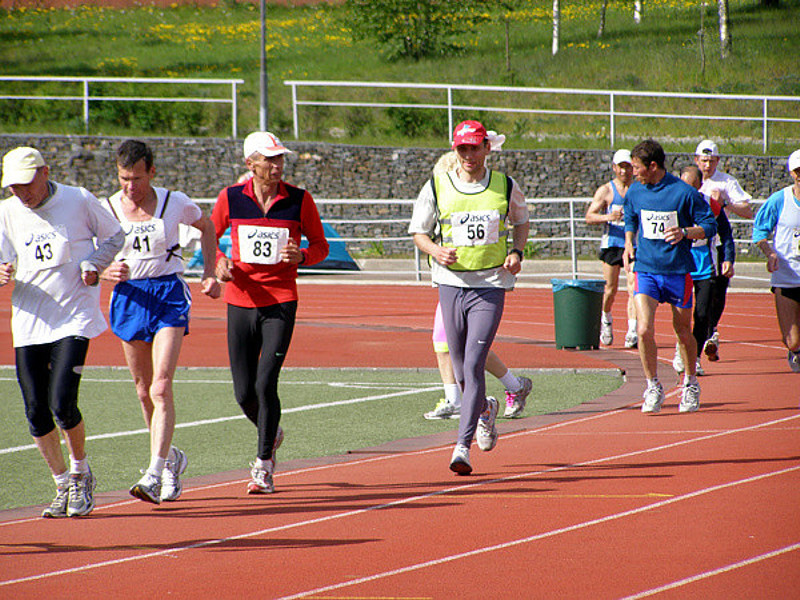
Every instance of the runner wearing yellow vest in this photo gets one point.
(462, 220)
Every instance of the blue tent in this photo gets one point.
(338, 257)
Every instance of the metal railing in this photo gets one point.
(86, 97)
(568, 233)
(761, 104)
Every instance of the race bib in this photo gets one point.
(475, 228)
(144, 239)
(261, 245)
(796, 244)
(44, 246)
(655, 223)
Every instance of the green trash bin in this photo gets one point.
(577, 309)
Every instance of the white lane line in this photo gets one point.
(407, 500)
(537, 537)
(715, 572)
(306, 407)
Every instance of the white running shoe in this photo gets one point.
(459, 463)
(486, 434)
(171, 486)
(631, 339)
(261, 478)
(711, 347)
(515, 401)
(653, 399)
(606, 333)
(690, 398)
(698, 369)
(148, 488)
(444, 410)
(81, 494)
(794, 361)
(677, 361)
(58, 507)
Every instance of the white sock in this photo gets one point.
(78, 466)
(263, 463)
(652, 382)
(156, 467)
(510, 382)
(689, 379)
(451, 393)
(62, 480)
(607, 317)
(632, 325)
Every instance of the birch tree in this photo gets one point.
(637, 11)
(602, 27)
(556, 25)
(724, 33)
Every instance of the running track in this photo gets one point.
(598, 502)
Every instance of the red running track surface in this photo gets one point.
(599, 502)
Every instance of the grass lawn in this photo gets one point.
(663, 53)
(325, 412)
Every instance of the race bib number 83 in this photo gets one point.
(655, 223)
(261, 245)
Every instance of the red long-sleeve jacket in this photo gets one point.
(294, 209)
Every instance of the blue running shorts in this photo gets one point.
(140, 307)
(673, 289)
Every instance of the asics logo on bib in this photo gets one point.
(139, 228)
(263, 235)
(37, 238)
(474, 218)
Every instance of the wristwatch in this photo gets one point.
(684, 232)
(518, 253)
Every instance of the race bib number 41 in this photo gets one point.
(655, 223)
(261, 245)
(475, 228)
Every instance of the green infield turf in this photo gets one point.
(325, 412)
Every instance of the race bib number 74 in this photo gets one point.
(261, 245)
(655, 223)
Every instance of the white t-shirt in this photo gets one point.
(48, 243)
(728, 185)
(148, 243)
(424, 220)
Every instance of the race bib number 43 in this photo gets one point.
(45, 246)
(655, 223)
(261, 245)
(475, 228)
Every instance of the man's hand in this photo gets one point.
(6, 273)
(117, 271)
(224, 269)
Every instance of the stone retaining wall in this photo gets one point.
(202, 166)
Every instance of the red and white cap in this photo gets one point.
(469, 132)
(265, 143)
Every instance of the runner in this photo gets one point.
(780, 215)
(49, 230)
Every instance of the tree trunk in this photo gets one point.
(724, 33)
(556, 25)
(602, 28)
(637, 11)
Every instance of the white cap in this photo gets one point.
(706, 148)
(794, 160)
(496, 140)
(265, 143)
(621, 156)
(20, 164)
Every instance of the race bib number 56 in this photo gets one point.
(475, 228)
(655, 223)
(261, 245)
